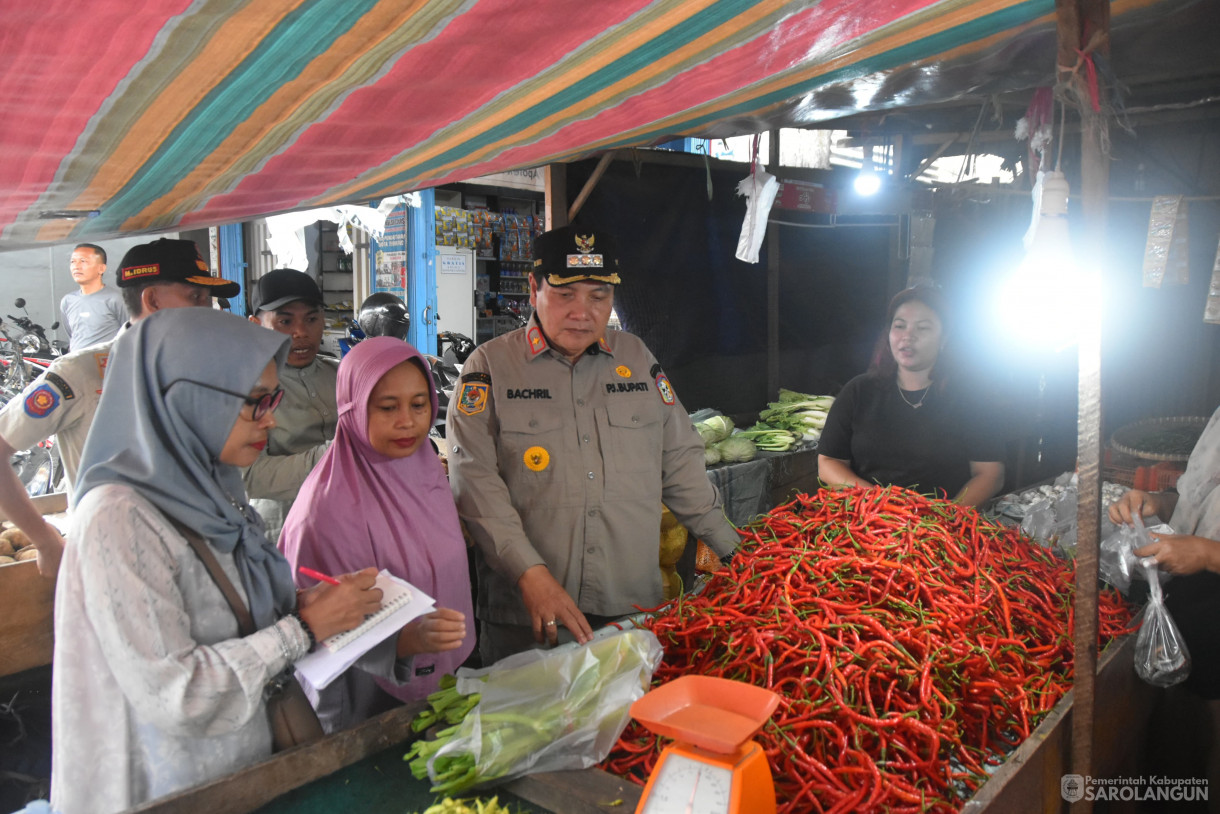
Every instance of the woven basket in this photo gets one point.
(1142, 438)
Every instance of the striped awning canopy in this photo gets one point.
(122, 117)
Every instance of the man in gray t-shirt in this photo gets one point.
(95, 313)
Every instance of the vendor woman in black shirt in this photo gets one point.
(904, 422)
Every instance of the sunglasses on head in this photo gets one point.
(262, 405)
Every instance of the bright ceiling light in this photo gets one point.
(868, 182)
(1045, 300)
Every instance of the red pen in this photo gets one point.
(318, 575)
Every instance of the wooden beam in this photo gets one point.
(927, 162)
(1073, 18)
(773, 259)
(257, 785)
(556, 196)
(602, 165)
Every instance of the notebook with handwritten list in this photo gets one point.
(400, 603)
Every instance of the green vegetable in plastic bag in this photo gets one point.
(541, 710)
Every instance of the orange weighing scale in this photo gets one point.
(713, 766)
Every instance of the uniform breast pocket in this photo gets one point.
(632, 440)
(531, 453)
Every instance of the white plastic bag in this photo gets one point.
(1117, 562)
(546, 710)
(759, 189)
(1161, 658)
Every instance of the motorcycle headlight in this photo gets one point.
(29, 343)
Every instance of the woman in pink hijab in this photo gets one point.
(380, 497)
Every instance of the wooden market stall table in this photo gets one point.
(362, 768)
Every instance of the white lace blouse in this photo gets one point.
(152, 689)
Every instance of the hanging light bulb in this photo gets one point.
(868, 181)
(1041, 300)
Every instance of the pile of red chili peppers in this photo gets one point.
(911, 641)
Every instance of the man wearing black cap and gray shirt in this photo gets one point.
(565, 438)
(165, 273)
(289, 301)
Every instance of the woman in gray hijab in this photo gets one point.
(154, 689)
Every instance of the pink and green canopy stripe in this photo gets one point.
(174, 114)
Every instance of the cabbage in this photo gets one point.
(716, 428)
(736, 449)
(711, 456)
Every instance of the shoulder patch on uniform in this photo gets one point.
(472, 399)
(536, 341)
(664, 390)
(477, 376)
(41, 401)
(57, 380)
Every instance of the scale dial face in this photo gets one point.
(688, 786)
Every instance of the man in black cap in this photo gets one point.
(289, 301)
(564, 441)
(165, 273)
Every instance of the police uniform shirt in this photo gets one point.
(60, 402)
(567, 465)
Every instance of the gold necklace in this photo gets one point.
(915, 405)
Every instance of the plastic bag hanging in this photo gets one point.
(759, 189)
(1161, 658)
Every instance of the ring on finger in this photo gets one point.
(551, 623)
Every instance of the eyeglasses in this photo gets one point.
(262, 405)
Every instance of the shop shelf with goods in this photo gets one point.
(502, 225)
(334, 269)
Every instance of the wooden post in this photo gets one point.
(556, 196)
(1075, 17)
(773, 350)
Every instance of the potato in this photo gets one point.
(6, 548)
(5, 525)
(5, 560)
(27, 554)
(17, 538)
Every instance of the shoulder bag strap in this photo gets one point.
(245, 621)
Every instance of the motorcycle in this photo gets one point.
(25, 352)
(351, 338)
(33, 337)
(454, 349)
(38, 468)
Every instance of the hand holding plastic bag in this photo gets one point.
(1117, 562)
(546, 710)
(1161, 658)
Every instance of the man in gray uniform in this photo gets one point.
(61, 402)
(95, 313)
(289, 301)
(565, 439)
